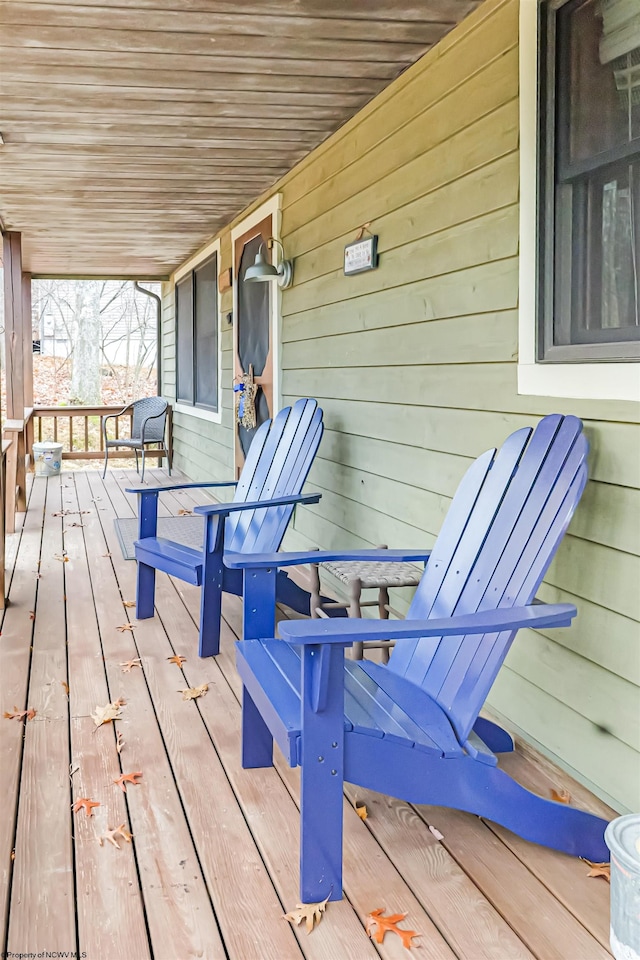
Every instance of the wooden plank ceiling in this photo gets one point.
(133, 131)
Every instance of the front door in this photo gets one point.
(253, 348)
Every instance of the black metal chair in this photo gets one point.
(148, 427)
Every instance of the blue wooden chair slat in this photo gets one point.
(276, 467)
(268, 526)
(412, 728)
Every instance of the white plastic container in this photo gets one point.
(47, 458)
(622, 836)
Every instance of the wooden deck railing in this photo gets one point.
(79, 430)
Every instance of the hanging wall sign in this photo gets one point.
(360, 256)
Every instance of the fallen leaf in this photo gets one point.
(62, 558)
(388, 924)
(311, 913)
(560, 796)
(111, 711)
(128, 664)
(599, 869)
(60, 513)
(13, 855)
(95, 499)
(110, 836)
(128, 603)
(125, 627)
(125, 778)
(65, 686)
(119, 741)
(106, 554)
(120, 702)
(436, 833)
(361, 809)
(77, 524)
(32, 615)
(192, 693)
(86, 804)
(73, 768)
(184, 513)
(21, 714)
(177, 660)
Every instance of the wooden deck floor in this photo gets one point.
(213, 863)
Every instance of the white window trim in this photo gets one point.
(597, 380)
(273, 207)
(200, 413)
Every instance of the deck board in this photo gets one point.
(214, 859)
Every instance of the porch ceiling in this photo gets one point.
(133, 132)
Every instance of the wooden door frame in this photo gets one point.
(272, 209)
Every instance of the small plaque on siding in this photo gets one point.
(360, 256)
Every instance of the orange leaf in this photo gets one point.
(32, 615)
(65, 686)
(86, 804)
(599, 869)
(119, 741)
(111, 835)
(361, 809)
(125, 778)
(128, 664)
(311, 913)
(192, 693)
(20, 714)
(124, 627)
(388, 924)
(128, 603)
(106, 554)
(560, 796)
(184, 513)
(177, 660)
(120, 702)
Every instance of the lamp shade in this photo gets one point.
(261, 270)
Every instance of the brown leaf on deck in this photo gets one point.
(128, 603)
(192, 693)
(32, 615)
(125, 778)
(111, 834)
(119, 742)
(106, 714)
(182, 512)
(65, 686)
(20, 714)
(560, 796)
(599, 869)
(84, 803)
(120, 702)
(63, 558)
(311, 913)
(125, 627)
(178, 660)
(385, 925)
(361, 809)
(106, 554)
(129, 664)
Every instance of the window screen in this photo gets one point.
(206, 334)
(184, 345)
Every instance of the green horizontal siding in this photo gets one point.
(415, 366)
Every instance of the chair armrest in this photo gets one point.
(223, 509)
(536, 616)
(255, 561)
(181, 486)
(112, 416)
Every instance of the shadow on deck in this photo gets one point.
(213, 862)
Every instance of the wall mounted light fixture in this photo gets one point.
(262, 271)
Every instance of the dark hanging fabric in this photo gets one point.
(253, 333)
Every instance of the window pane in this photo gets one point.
(612, 257)
(206, 326)
(598, 77)
(184, 324)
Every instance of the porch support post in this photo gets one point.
(14, 372)
(27, 329)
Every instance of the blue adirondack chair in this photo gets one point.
(411, 729)
(274, 472)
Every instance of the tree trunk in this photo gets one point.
(85, 375)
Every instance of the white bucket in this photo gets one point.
(47, 458)
(623, 839)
